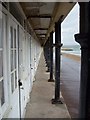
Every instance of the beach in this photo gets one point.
(72, 56)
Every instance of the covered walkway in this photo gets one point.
(40, 105)
(27, 29)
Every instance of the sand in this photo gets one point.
(71, 56)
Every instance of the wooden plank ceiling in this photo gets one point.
(43, 15)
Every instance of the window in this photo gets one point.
(13, 59)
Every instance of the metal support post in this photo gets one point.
(51, 58)
(47, 55)
(84, 40)
(58, 45)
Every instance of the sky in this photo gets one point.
(70, 26)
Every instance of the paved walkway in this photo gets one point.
(40, 105)
(70, 78)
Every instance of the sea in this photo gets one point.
(71, 49)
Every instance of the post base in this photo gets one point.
(48, 71)
(51, 80)
(54, 101)
(46, 65)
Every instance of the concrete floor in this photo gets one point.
(40, 105)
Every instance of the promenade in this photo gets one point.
(70, 79)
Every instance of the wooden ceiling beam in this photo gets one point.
(40, 28)
(41, 34)
(39, 16)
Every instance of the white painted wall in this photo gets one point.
(29, 53)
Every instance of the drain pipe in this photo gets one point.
(19, 81)
(20, 84)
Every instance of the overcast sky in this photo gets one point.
(70, 26)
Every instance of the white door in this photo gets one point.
(14, 92)
(3, 66)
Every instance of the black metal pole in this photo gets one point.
(84, 40)
(47, 55)
(58, 45)
(51, 58)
